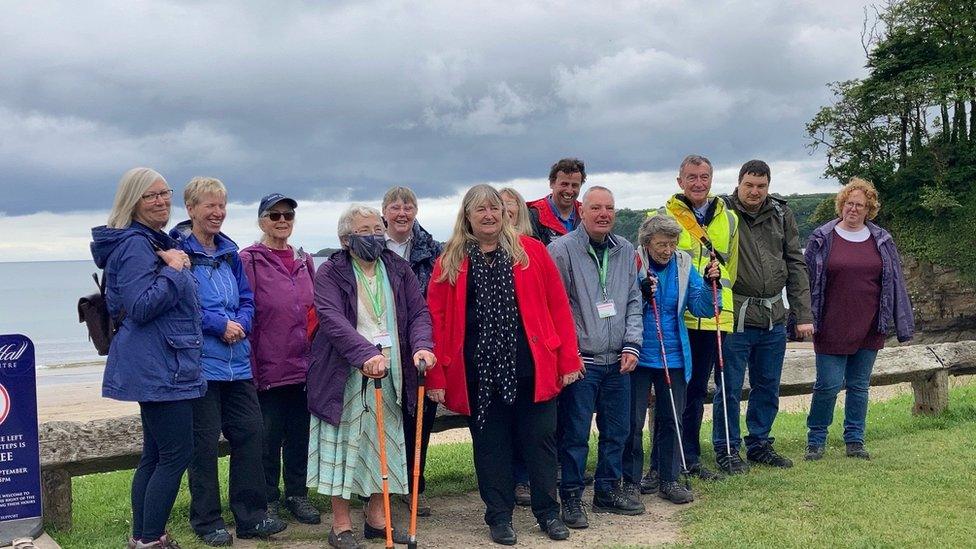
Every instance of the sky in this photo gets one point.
(334, 102)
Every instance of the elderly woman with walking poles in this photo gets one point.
(154, 358)
(506, 342)
(281, 279)
(858, 296)
(373, 324)
(670, 286)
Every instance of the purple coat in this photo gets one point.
(279, 342)
(894, 303)
(337, 346)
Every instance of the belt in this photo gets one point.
(766, 302)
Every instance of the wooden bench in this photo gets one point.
(70, 449)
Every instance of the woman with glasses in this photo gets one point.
(155, 355)
(281, 279)
(858, 296)
(373, 323)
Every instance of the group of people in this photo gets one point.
(529, 319)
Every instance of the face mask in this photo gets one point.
(368, 248)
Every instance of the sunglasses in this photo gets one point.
(276, 216)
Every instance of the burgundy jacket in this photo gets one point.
(338, 347)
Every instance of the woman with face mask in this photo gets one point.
(373, 322)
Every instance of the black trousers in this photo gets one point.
(410, 438)
(531, 426)
(665, 457)
(704, 351)
(231, 408)
(286, 420)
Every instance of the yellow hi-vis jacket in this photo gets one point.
(723, 235)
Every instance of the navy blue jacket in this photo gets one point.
(225, 294)
(155, 356)
(424, 251)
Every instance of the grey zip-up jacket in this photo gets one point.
(601, 340)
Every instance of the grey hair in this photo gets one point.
(596, 188)
(200, 186)
(346, 219)
(658, 224)
(695, 159)
(132, 186)
(399, 193)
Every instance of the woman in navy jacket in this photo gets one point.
(155, 355)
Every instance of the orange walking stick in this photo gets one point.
(381, 435)
(421, 394)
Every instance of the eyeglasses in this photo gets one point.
(855, 205)
(152, 197)
(276, 216)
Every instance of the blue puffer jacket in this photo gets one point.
(225, 294)
(155, 356)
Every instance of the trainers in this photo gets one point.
(300, 508)
(616, 501)
(555, 529)
(731, 464)
(345, 540)
(814, 452)
(573, 513)
(503, 534)
(651, 482)
(766, 455)
(218, 538)
(523, 495)
(856, 450)
(701, 473)
(675, 492)
(267, 527)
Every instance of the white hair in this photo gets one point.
(347, 217)
(132, 186)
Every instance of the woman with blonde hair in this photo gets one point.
(516, 211)
(858, 296)
(506, 344)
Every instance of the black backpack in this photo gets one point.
(93, 312)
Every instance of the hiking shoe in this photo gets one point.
(814, 452)
(267, 527)
(631, 490)
(616, 501)
(731, 464)
(523, 495)
(675, 492)
(300, 508)
(555, 529)
(218, 538)
(423, 506)
(503, 534)
(573, 513)
(164, 542)
(856, 450)
(651, 482)
(766, 455)
(700, 472)
(345, 540)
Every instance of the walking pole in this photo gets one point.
(667, 381)
(721, 367)
(381, 435)
(421, 393)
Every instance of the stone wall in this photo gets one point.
(945, 305)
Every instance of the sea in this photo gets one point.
(39, 299)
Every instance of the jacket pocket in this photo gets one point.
(186, 353)
(552, 343)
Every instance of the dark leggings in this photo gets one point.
(167, 448)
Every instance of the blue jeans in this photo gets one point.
(761, 352)
(607, 392)
(833, 372)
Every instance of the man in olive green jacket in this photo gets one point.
(769, 261)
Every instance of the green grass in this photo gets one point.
(917, 490)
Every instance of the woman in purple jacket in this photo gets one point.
(281, 279)
(857, 292)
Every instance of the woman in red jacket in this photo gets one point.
(505, 344)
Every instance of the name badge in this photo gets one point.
(383, 339)
(606, 309)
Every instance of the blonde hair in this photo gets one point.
(455, 249)
(132, 186)
(870, 196)
(399, 193)
(200, 186)
(521, 223)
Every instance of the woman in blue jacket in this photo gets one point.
(231, 402)
(155, 355)
(668, 275)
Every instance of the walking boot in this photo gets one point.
(731, 464)
(616, 501)
(523, 495)
(814, 452)
(700, 472)
(302, 509)
(766, 455)
(218, 538)
(503, 534)
(573, 513)
(555, 529)
(651, 482)
(856, 450)
(675, 492)
(263, 529)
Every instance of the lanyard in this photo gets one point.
(602, 267)
(375, 298)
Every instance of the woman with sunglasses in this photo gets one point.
(281, 279)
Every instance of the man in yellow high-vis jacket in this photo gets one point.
(707, 226)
